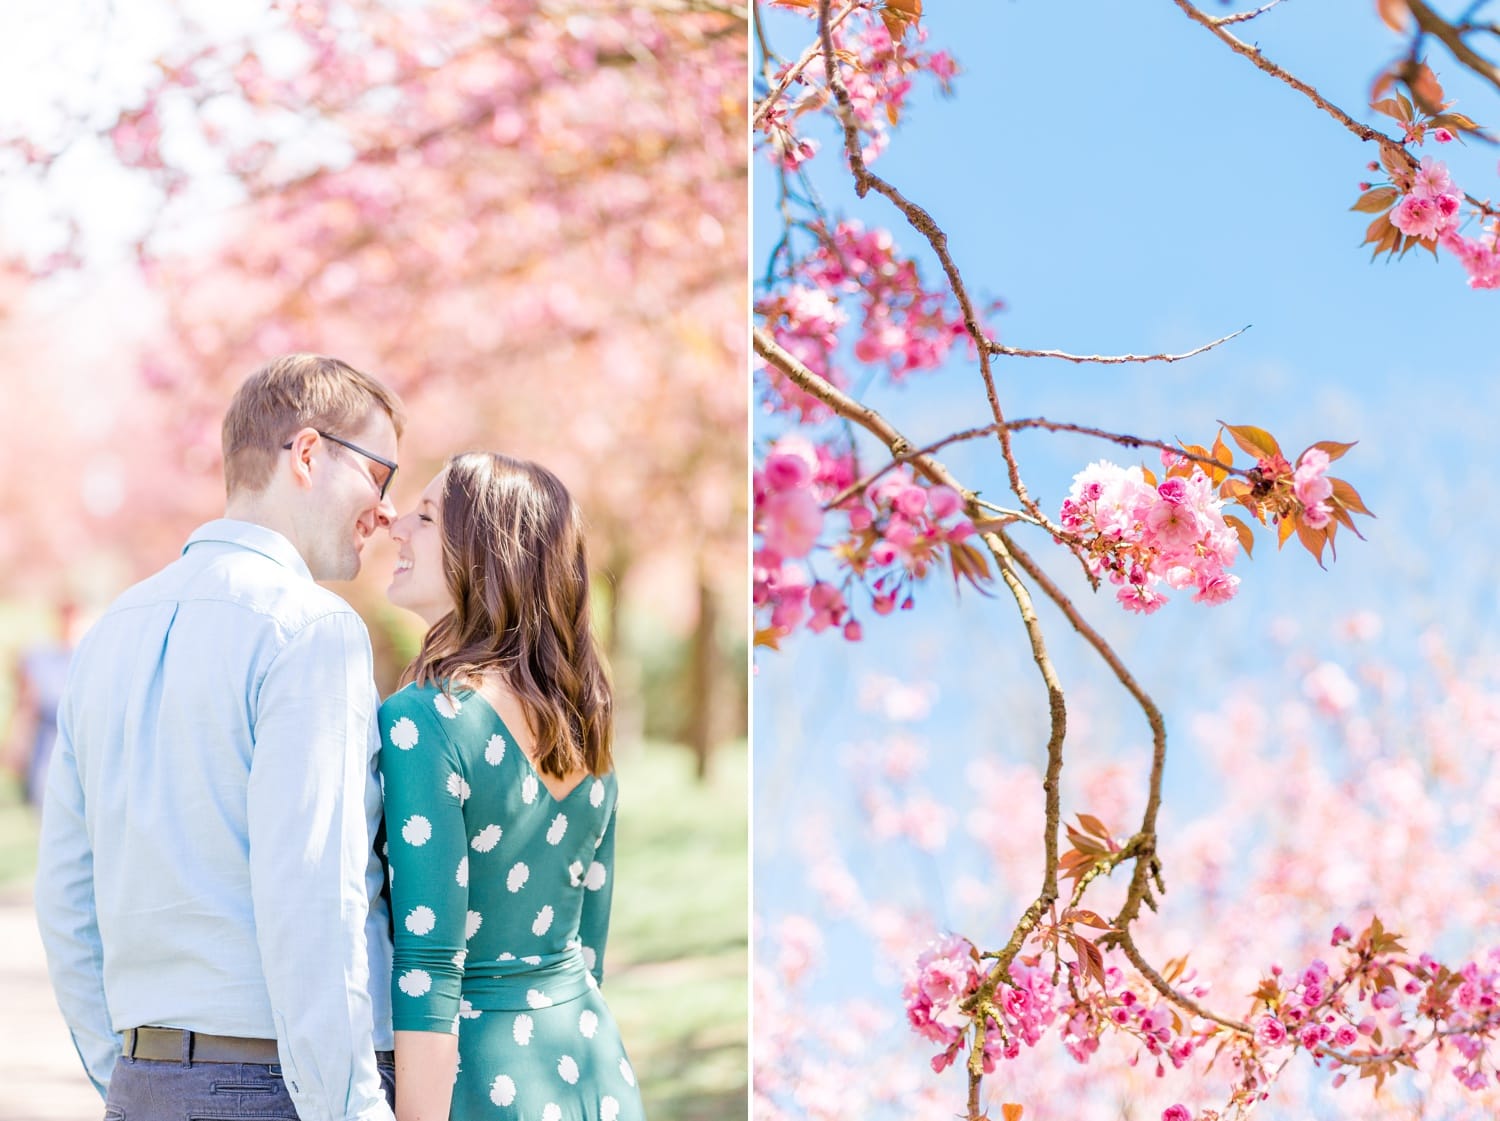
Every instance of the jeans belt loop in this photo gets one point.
(187, 1048)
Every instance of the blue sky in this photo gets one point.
(1125, 184)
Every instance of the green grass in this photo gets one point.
(676, 970)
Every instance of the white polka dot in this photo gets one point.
(626, 1073)
(590, 959)
(535, 998)
(462, 875)
(551, 1112)
(567, 1069)
(588, 1023)
(486, 839)
(494, 751)
(417, 831)
(556, 830)
(521, 1029)
(543, 922)
(575, 873)
(458, 787)
(404, 734)
(592, 980)
(528, 789)
(502, 1090)
(596, 794)
(415, 982)
(460, 957)
(448, 707)
(507, 956)
(596, 876)
(472, 922)
(609, 1109)
(467, 1011)
(421, 920)
(532, 959)
(516, 879)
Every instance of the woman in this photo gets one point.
(500, 809)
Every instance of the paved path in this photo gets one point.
(40, 1076)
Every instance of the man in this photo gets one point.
(207, 888)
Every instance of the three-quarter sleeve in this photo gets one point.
(427, 853)
(598, 889)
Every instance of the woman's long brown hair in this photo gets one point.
(517, 568)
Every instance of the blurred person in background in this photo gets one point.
(500, 801)
(40, 673)
(207, 888)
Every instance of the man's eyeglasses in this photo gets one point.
(390, 468)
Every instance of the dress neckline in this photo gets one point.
(473, 694)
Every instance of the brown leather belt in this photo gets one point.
(166, 1045)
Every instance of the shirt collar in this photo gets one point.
(257, 538)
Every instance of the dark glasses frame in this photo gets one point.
(380, 459)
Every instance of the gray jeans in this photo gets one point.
(143, 1090)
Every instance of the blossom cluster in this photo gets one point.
(1035, 998)
(877, 69)
(1141, 534)
(894, 531)
(1429, 210)
(1388, 1003)
(904, 326)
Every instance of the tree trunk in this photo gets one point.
(703, 676)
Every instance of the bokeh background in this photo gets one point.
(530, 220)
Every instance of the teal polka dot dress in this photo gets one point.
(500, 897)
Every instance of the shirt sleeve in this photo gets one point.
(427, 846)
(598, 890)
(309, 852)
(67, 915)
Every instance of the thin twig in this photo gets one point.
(1121, 438)
(1433, 24)
(791, 75)
(1364, 132)
(923, 223)
(1241, 17)
(1114, 359)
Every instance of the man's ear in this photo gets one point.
(303, 443)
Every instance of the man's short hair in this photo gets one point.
(288, 394)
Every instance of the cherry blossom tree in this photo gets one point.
(527, 217)
(854, 515)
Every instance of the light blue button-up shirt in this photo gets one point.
(206, 855)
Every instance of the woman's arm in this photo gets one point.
(427, 842)
(426, 1067)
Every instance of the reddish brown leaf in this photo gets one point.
(1394, 13)
(1093, 826)
(1332, 448)
(1010, 1111)
(1313, 540)
(1426, 90)
(1377, 230)
(1253, 441)
(1284, 529)
(1348, 496)
(1376, 200)
(1242, 531)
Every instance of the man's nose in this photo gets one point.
(385, 513)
